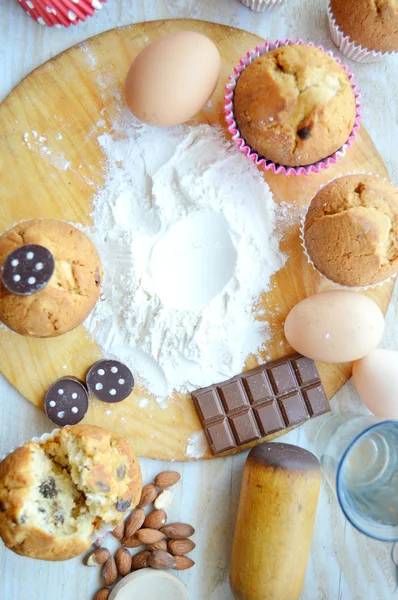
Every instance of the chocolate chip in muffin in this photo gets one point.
(304, 133)
(123, 505)
(48, 488)
(59, 516)
(121, 472)
(2, 507)
(103, 486)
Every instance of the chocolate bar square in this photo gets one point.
(244, 427)
(209, 405)
(315, 399)
(305, 369)
(258, 386)
(294, 409)
(282, 377)
(220, 437)
(233, 396)
(269, 418)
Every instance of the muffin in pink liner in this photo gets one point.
(238, 138)
(352, 50)
(79, 482)
(346, 233)
(263, 5)
(60, 13)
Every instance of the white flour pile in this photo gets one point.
(184, 225)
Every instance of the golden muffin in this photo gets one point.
(372, 24)
(55, 494)
(295, 105)
(351, 230)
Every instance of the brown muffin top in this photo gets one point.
(351, 230)
(373, 24)
(295, 105)
(73, 289)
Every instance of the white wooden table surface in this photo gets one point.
(344, 565)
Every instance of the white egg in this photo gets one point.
(376, 379)
(335, 326)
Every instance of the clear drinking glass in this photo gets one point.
(359, 456)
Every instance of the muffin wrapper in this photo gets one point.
(263, 5)
(267, 165)
(98, 534)
(58, 13)
(309, 260)
(351, 50)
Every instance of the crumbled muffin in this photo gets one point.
(54, 495)
(295, 105)
(351, 230)
(73, 289)
(372, 24)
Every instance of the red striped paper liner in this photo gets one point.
(60, 13)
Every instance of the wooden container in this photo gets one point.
(275, 523)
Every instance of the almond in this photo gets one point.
(150, 536)
(118, 532)
(109, 571)
(102, 594)
(148, 495)
(123, 561)
(180, 547)
(177, 531)
(161, 560)
(140, 560)
(131, 542)
(164, 499)
(162, 545)
(166, 479)
(96, 557)
(155, 519)
(134, 522)
(182, 563)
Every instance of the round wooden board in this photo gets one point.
(70, 101)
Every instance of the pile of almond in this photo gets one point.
(165, 544)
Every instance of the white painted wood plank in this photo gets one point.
(344, 565)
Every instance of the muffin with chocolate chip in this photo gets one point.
(351, 230)
(50, 277)
(55, 494)
(372, 24)
(295, 105)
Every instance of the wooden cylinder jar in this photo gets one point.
(275, 523)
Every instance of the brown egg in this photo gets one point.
(173, 78)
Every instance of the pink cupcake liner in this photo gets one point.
(268, 165)
(350, 49)
(263, 5)
(309, 259)
(60, 13)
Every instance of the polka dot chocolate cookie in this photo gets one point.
(66, 401)
(58, 13)
(110, 381)
(27, 270)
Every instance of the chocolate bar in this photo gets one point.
(256, 403)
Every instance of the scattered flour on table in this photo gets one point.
(185, 228)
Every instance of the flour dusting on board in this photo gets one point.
(185, 228)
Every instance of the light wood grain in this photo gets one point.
(344, 565)
(32, 171)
